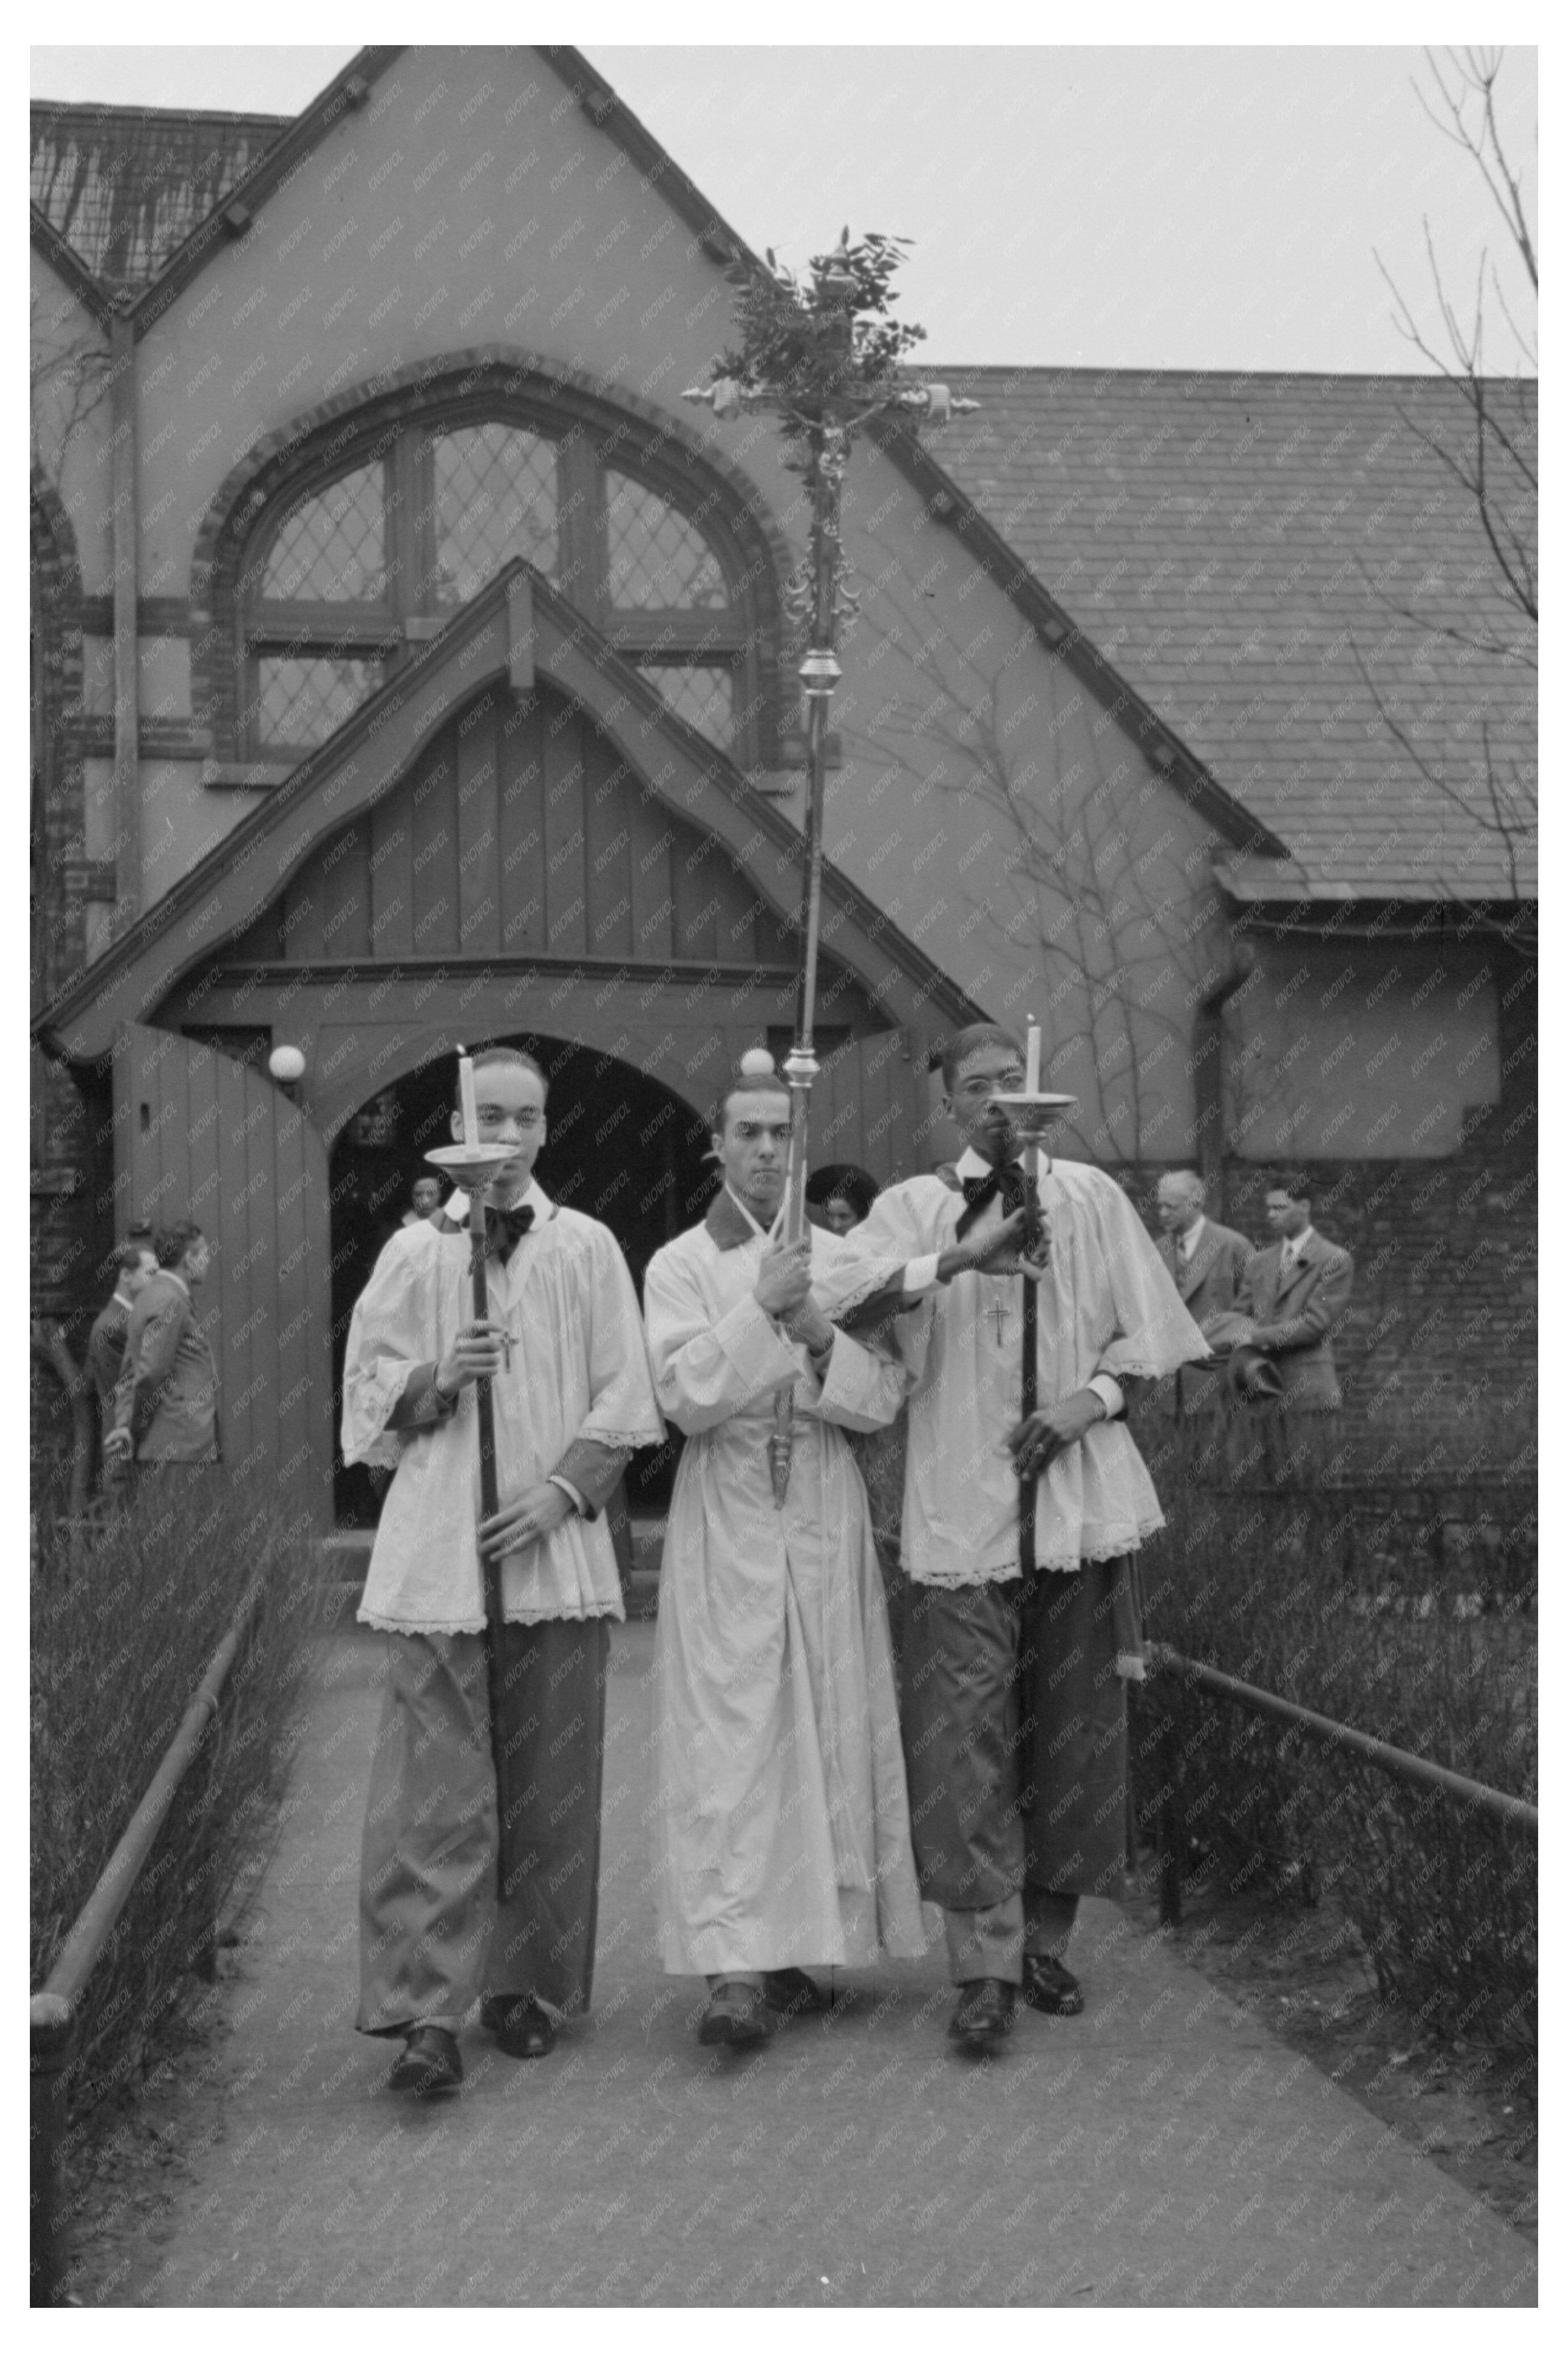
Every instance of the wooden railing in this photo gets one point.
(56, 2011)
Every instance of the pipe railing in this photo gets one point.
(1397, 1762)
(54, 2011)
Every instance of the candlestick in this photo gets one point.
(1032, 1083)
(467, 1099)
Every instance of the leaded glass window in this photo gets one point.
(495, 498)
(333, 545)
(703, 695)
(345, 582)
(656, 556)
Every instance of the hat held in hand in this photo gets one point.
(1252, 1377)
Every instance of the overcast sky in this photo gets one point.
(1113, 208)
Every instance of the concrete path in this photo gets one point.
(1163, 2148)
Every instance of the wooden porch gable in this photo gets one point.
(519, 832)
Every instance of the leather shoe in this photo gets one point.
(429, 2062)
(521, 2029)
(1049, 1987)
(737, 2016)
(983, 2016)
(792, 1993)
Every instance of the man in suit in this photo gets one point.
(1208, 1262)
(165, 1400)
(134, 1262)
(1297, 1294)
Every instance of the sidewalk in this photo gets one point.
(1163, 2148)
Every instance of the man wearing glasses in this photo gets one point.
(564, 1350)
(1019, 1533)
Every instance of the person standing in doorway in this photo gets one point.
(424, 1200)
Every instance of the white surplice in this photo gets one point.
(579, 1371)
(1106, 1305)
(783, 1836)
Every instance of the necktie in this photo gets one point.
(1008, 1182)
(504, 1229)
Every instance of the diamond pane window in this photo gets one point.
(495, 498)
(334, 543)
(704, 698)
(302, 700)
(655, 557)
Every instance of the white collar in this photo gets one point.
(765, 1233)
(1297, 1243)
(534, 1196)
(173, 1277)
(1188, 1243)
(974, 1163)
(119, 1298)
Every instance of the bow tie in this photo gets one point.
(504, 1229)
(1008, 1181)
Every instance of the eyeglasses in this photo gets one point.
(992, 1082)
(491, 1115)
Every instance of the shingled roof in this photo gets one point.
(123, 185)
(1232, 544)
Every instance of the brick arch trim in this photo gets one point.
(395, 396)
(57, 817)
(53, 561)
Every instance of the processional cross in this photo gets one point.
(826, 357)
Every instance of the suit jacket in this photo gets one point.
(105, 1353)
(166, 1395)
(1212, 1282)
(1297, 1318)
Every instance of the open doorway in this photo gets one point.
(621, 1148)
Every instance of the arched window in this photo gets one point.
(366, 554)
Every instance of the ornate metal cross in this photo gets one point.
(826, 357)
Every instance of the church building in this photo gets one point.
(411, 664)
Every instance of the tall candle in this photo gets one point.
(467, 1098)
(1032, 1083)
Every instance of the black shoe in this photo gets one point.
(737, 2016)
(1049, 1987)
(430, 2062)
(521, 2027)
(792, 1993)
(983, 2017)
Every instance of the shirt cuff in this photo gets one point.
(558, 1480)
(921, 1272)
(1109, 1391)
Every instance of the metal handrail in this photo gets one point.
(1400, 1762)
(55, 2017)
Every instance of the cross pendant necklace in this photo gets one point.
(1001, 1312)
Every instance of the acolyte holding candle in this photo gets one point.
(496, 1364)
(1025, 1501)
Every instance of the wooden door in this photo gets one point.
(868, 1106)
(197, 1134)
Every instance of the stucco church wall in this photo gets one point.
(972, 757)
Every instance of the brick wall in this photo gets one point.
(1443, 1322)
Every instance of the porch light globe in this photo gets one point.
(286, 1063)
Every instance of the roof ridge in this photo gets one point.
(969, 368)
(98, 107)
